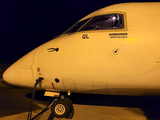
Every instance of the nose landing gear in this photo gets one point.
(61, 107)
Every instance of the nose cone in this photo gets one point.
(20, 73)
(8, 75)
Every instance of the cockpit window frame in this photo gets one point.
(98, 30)
(107, 30)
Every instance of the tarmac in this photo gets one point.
(15, 102)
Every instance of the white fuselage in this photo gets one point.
(122, 61)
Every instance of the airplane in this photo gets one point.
(114, 50)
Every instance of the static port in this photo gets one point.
(57, 80)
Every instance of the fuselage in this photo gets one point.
(114, 50)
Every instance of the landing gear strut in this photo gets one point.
(61, 107)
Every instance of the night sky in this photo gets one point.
(26, 24)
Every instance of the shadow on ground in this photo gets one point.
(149, 105)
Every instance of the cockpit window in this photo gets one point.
(75, 27)
(110, 21)
(102, 22)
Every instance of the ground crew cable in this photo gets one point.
(32, 99)
(45, 109)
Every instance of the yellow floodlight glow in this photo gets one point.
(132, 39)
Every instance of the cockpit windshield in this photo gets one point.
(105, 22)
(102, 22)
(75, 27)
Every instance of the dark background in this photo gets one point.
(26, 24)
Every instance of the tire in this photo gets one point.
(61, 108)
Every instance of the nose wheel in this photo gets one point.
(63, 108)
(60, 109)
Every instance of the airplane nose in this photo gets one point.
(8, 75)
(21, 72)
